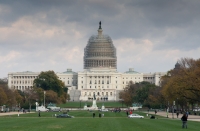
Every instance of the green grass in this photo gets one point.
(82, 103)
(83, 121)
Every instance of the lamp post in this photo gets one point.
(173, 109)
(167, 109)
(177, 105)
(80, 103)
(44, 97)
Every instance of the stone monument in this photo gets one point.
(36, 103)
(85, 107)
(94, 105)
(103, 107)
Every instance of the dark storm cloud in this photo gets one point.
(36, 30)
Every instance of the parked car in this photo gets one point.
(103, 110)
(196, 109)
(55, 110)
(64, 116)
(135, 116)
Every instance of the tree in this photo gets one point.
(143, 93)
(3, 97)
(30, 97)
(8, 96)
(18, 97)
(52, 97)
(49, 81)
(128, 93)
(183, 84)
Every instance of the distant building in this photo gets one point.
(4, 79)
(99, 77)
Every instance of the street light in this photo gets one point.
(173, 109)
(167, 109)
(177, 105)
(44, 97)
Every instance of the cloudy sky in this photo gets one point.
(149, 35)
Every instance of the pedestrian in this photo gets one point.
(177, 114)
(39, 113)
(127, 113)
(93, 114)
(155, 112)
(99, 115)
(187, 113)
(184, 120)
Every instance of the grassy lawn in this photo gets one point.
(83, 121)
(99, 104)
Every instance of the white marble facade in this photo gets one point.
(99, 77)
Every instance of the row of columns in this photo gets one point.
(97, 63)
(101, 54)
(92, 80)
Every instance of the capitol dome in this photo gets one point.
(100, 52)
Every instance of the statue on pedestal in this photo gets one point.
(100, 25)
(94, 97)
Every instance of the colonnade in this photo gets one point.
(98, 63)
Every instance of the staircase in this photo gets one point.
(74, 95)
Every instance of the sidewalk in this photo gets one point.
(162, 113)
(11, 113)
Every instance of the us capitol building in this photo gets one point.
(100, 75)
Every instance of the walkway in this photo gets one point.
(11, 113)
(190, 117)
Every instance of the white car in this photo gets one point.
(196, 109)
(104, 110)
(135, 116)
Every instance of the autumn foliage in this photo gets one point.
(183, 84)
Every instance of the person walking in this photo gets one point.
(39, 113)
(177, 114)
(184, 120)
(93, 114)
(127, 113)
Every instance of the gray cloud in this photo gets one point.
(51, 34)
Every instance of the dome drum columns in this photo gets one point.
(99, 63)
